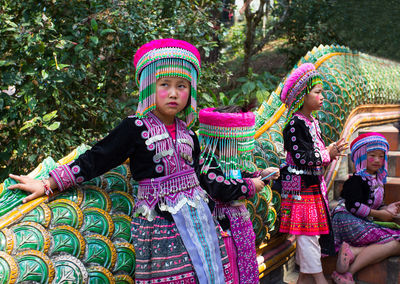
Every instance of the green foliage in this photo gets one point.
(307, 26)
(256, 86)
(234, 39)
(66, 68)
(369, 26)
(253, 86)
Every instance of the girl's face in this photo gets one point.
(172, 95)
(375, 160)
(313, 100)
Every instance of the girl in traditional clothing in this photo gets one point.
(361, 240)
(174, 234)
(304, 209)
(227, 139)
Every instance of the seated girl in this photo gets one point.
(362, 241)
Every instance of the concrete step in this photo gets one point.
(291, 273)
(394, 164)
(392, 190)
(389, 131)
(384, 272)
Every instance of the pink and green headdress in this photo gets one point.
(231, 133)
(166, 58)
(365, 143)
(297, 85)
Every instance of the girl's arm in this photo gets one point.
(393, 208)
(299, 143)
(356, 193)
(225, 190)
(108, 153)
(267, 174)
(381, 215)
(387, 213)
(37, 188)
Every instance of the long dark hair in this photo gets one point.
(246, 107)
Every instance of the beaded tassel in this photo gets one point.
(168, 67)
(231, 143)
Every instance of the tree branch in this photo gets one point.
(245, 5)
(259, 13)
(271, 32)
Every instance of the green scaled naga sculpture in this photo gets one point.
(78, 236)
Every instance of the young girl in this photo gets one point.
(304, 209)
(174, 233)
(361, 241)
(227, 139)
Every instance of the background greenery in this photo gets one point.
(67, 76)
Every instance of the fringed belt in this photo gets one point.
(169, 192)
(315, 170)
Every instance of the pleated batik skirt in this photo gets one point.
(161, 256)
(360, 232)
(305, 215)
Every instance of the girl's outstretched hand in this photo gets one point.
(335, 149)
(394, 208)
(266, 174)
(28, 184)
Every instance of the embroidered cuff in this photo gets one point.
(325, 157)
(63, 177)
(360, 210)
(250, 189)
(256, 174)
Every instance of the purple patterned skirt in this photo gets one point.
(360, 232)
(161, 256)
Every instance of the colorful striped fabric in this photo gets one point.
(305, 216)
(360, 232)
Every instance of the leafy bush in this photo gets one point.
(253, 86)
(369, 26)
(307, 26)
(66, 68)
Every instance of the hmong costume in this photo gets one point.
(361, 193)
(304, 207)
(174, 234)
(304, 193)
(230, 133)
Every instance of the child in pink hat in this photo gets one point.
(304, 209)
(360, 236)
(227, 140)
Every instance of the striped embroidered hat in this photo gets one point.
(365, 143)
(297, 85)
(232, 134)
(166, 58)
